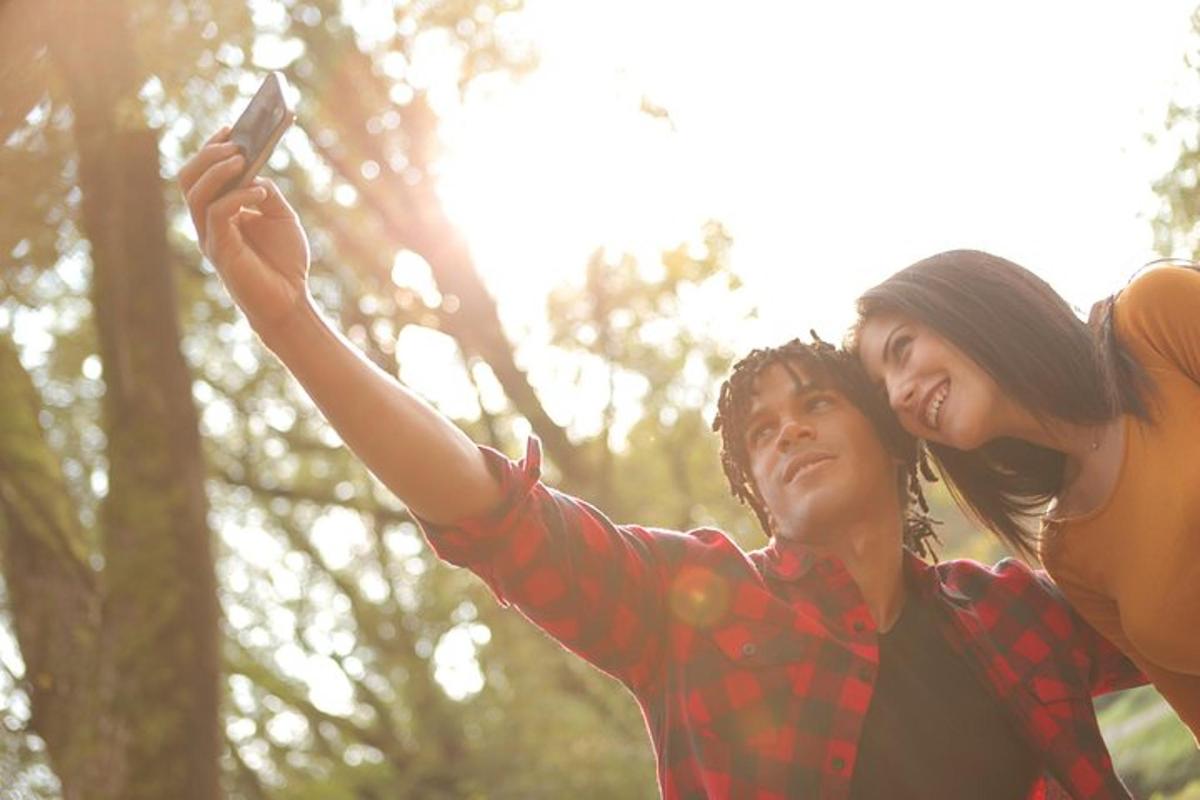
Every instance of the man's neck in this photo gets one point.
(871, 549)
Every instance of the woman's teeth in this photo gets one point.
(933, 412)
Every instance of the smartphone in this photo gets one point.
(258, 129)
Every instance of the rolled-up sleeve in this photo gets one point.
(475, 542)
(597, 588)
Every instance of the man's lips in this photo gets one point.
(803, 463)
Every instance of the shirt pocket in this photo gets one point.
(744, 688)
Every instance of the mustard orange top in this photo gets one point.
(1132, 566)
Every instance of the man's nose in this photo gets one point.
(792, 432)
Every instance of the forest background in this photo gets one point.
(189, 555)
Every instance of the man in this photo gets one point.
(831, 663)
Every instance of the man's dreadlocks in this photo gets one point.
(842, 371)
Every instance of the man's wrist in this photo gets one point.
(281, 335)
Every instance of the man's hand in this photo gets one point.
(254, 239)
(251, 235)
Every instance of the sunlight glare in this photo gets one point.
(836, 143)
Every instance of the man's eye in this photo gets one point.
(817, 402)
(759, 434)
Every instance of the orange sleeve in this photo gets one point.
(1158, 315)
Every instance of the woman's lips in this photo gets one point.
(931, 408)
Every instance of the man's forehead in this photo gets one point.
(801, 376)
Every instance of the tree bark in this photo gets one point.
(53, 597)
(22, 73)
(158, 635)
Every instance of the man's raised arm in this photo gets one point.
(254, 239)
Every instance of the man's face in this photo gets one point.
(815, 458)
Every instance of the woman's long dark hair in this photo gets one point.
(1023, 334)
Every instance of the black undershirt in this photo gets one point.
(932, 729)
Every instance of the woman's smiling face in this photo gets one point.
(937, 391)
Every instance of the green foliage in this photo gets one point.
(1151, 748)
(339, 623)
(1175, 225)
(1189, 792)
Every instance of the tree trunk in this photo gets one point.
(53, 598)
(158, 635)
(22, 81)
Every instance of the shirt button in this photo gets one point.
(838, 763)
(748, 649)
(859, 626)
(864, 674)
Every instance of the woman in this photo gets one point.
(1029, 412)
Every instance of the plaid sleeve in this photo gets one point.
(595, 587)
(1111, 670)
(1104, 667)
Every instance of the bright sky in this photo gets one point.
(838, 142)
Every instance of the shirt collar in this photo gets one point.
(926, 578)
(790, 561)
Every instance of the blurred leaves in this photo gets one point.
(357, 665)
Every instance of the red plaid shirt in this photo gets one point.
(754, 670)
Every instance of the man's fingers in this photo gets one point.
(215, 148)
(227, 207)
(204, 190)
(198, 164)
(220, 218)
(274, 204)
(219, 135)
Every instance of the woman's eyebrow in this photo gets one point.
(887, 343)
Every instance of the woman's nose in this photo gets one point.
(902, 395)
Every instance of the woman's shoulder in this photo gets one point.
(1158, 307)
(1159, 287)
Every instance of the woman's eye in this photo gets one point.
(900, 346)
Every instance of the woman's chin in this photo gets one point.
(957, 439)
(950, 436)
(966, 440)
